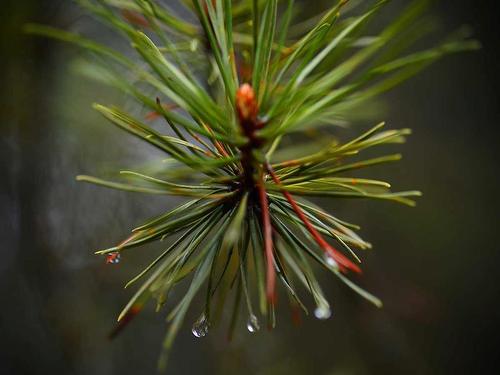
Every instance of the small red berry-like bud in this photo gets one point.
(246, 104)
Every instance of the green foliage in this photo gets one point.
(231, 87)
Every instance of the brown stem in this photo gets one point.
(268, 242)
(247, 110)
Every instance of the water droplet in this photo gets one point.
(253, 324)
(323, 312)
(200, 327)
(113, 258)
(332, 263)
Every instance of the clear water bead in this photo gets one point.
(323, 312)
(253, 324)
(113, 258)
(332, 263)
(200, 327)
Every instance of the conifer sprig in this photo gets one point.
(231, 83)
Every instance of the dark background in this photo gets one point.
(435, 266)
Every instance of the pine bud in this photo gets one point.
(246, 104)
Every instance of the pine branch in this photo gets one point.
(231, 89)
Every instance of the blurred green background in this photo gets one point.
(435, 266)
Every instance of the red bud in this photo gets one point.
(246, 104)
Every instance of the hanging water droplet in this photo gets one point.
(332, 263)
(253, 324)
(113, 258)
(200, 327)
(323, 312)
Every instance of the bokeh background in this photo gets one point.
(435, 266)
